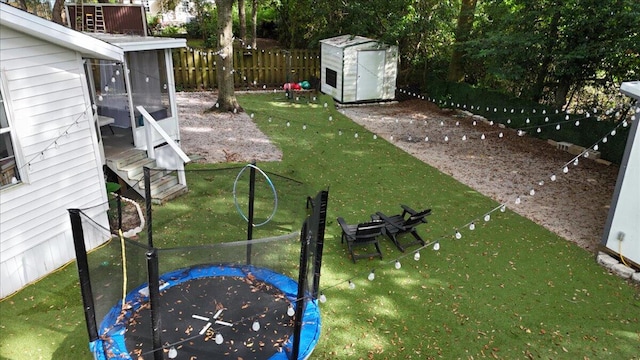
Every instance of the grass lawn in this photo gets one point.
(508, 289)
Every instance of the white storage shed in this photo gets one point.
(358, 69)
(622, 230)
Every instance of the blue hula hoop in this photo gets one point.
(273, 188)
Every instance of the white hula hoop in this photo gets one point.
(273, 188)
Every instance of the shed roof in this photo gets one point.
(49, 31)
(631, 88)
(344, 41)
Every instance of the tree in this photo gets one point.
(242, 19)
(463, 33)
(226, 98)
(56, 14)
(254, 23)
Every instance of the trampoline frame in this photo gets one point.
(112, 329)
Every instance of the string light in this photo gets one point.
(323, 298)
(219, 339)
(372, 275)
(397, 265)
(352, 285)
(472, 226)
(173, 353)
(458, 235)
(416, 256)
(291, 311)
(255, 326)
(436, 246)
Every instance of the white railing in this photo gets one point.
(151, 124)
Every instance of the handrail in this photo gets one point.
(151, 121)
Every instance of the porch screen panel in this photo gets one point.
(111, 92)
(149, 85)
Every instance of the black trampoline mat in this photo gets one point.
(241, 299)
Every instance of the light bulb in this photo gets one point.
(527, 121)
(323, 298)
(503, 208)
(474, 123)
(146, 79)
(446, 138)
(291, 311)
(472, 226)
(100, 98)
(586, 154)
(252, 115)
(255, 326)
(532, 192)
(391, 138)
(269, 118)
(409, 138)
(575, 162)
(235, 110)
(546, 119)
(113, 79)
(355, 135)
(173, 353)
(288, 124)
(330, 118)
(625, 124)
(613, 132)
(517, 200)
(325, 105)
(553, 177)
(482, 137)
(566, 117)
(457, 123)
(372, 276)
(441, 123)
(436, 246)
(541, 182)
(398, 265)
(117, 72)
(304, 127)
(596, 147)
(500, 135)
(508, 121)
(352, 285)
(339, 132)
(544, 111)
(217, 105)
(375, 136)
(520, 133)
(491, 123)
(577, 122)
(219, 339)
(487, 217)
(538, 130)
(464, 137)
(426, 139)
(565, 169)
(558, 127)
(106, 88)
(458, 235)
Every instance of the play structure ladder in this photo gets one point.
(99, 25)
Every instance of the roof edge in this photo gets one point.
(44, 29)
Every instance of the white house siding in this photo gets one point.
(54, 131)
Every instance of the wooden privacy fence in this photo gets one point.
(254, 69)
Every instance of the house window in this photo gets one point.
(331, 78)
(9, 173)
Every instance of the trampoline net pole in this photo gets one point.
(83, 273)
(321, 202)
(252, 195)
(154, 302)
(305, 238)
(147, 200)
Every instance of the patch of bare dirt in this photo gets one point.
(575, 206)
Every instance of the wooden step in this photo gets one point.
(161, 184)
(135, 169)
(169, 194)
(127, 157)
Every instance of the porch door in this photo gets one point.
(370, 78)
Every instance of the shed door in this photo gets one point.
(370, 75)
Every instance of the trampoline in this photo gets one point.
(211, 312)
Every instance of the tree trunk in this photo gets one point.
(56, 13)
(537, 89)
(562, 91)
(463, 31)
(254, 23)
(242, 18)
(226, 98)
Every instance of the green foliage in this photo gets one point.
(170, 30)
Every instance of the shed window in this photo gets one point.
(9, 173)
(331, 78)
